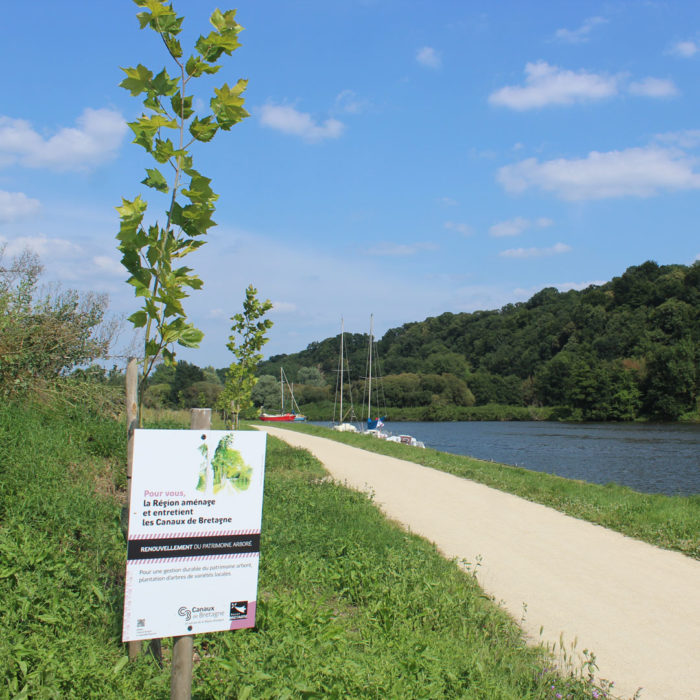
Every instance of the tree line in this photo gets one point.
(623, 350)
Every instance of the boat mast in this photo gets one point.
(369, 392)
(342, 332)
(281, 390)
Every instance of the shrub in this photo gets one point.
(45, 334)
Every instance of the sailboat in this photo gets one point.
(342, 425)
(374, 426)
(289, 417)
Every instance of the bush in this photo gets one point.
(43, 335)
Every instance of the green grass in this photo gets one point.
(350, 606)
(672, 522)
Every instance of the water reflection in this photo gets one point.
(653, 458)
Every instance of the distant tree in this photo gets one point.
(212, 375)
(44, 335)
(310, 376)
(185, 375)
(266, 391)
(245, 342)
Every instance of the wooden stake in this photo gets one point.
(183, 647)
(132, 422)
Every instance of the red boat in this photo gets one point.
(282, 416)
(288, 417)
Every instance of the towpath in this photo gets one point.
(637, 607)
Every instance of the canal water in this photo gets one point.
(652, 458)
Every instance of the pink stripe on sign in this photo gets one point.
(248, 621)
(161, 536)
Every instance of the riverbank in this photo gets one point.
(569, 583)
(349, 605)
(671, 522)
(440, 413)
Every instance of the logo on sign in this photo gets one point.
(185, 612)
(239, 610)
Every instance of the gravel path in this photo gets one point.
(637, 607)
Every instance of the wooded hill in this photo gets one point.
(626, 349)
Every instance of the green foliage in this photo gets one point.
(266, 391)
(245, 342)
(62, 557)
(624, 350)
(166, 130)
(44, 335)
(348, 606)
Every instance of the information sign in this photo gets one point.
(194, 532)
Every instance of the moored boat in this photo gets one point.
(282, 416)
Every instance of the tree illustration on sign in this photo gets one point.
(226, 468)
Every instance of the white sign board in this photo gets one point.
(194, 532)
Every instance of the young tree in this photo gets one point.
(150, 252)
(245, 342)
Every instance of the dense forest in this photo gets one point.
(625, 350)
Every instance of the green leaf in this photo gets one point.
(182, 108)
(203, 129)
(139, 319)
(191, 337)
(156, 180)
(164, 150)
(228, 104)
(164, 85)
(137, 79)
(225, 21)
(130, 215)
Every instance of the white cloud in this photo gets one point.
(527, 292)
(578, 286)
(400, 249)
(653, 87)
(349, 102)
(448, 202)
(291, 121)
(15, 205)
(514, 227)
(522, 253)
(636, 172)
(428, 57)
(464, 229)
(95, 139)
(689, 138)
(43, 246)
(550, 85)
(685, 49)
(283, 307)
(110, 266)
(582, 33)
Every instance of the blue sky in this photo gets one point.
(402, 158)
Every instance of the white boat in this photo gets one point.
(406, 440)
(374, 426)
(342, 425)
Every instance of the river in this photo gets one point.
(647, 457)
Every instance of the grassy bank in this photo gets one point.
(349, 605)
(672, 522)
(443, 413)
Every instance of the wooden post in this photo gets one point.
(183, 647)
(132, 422)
